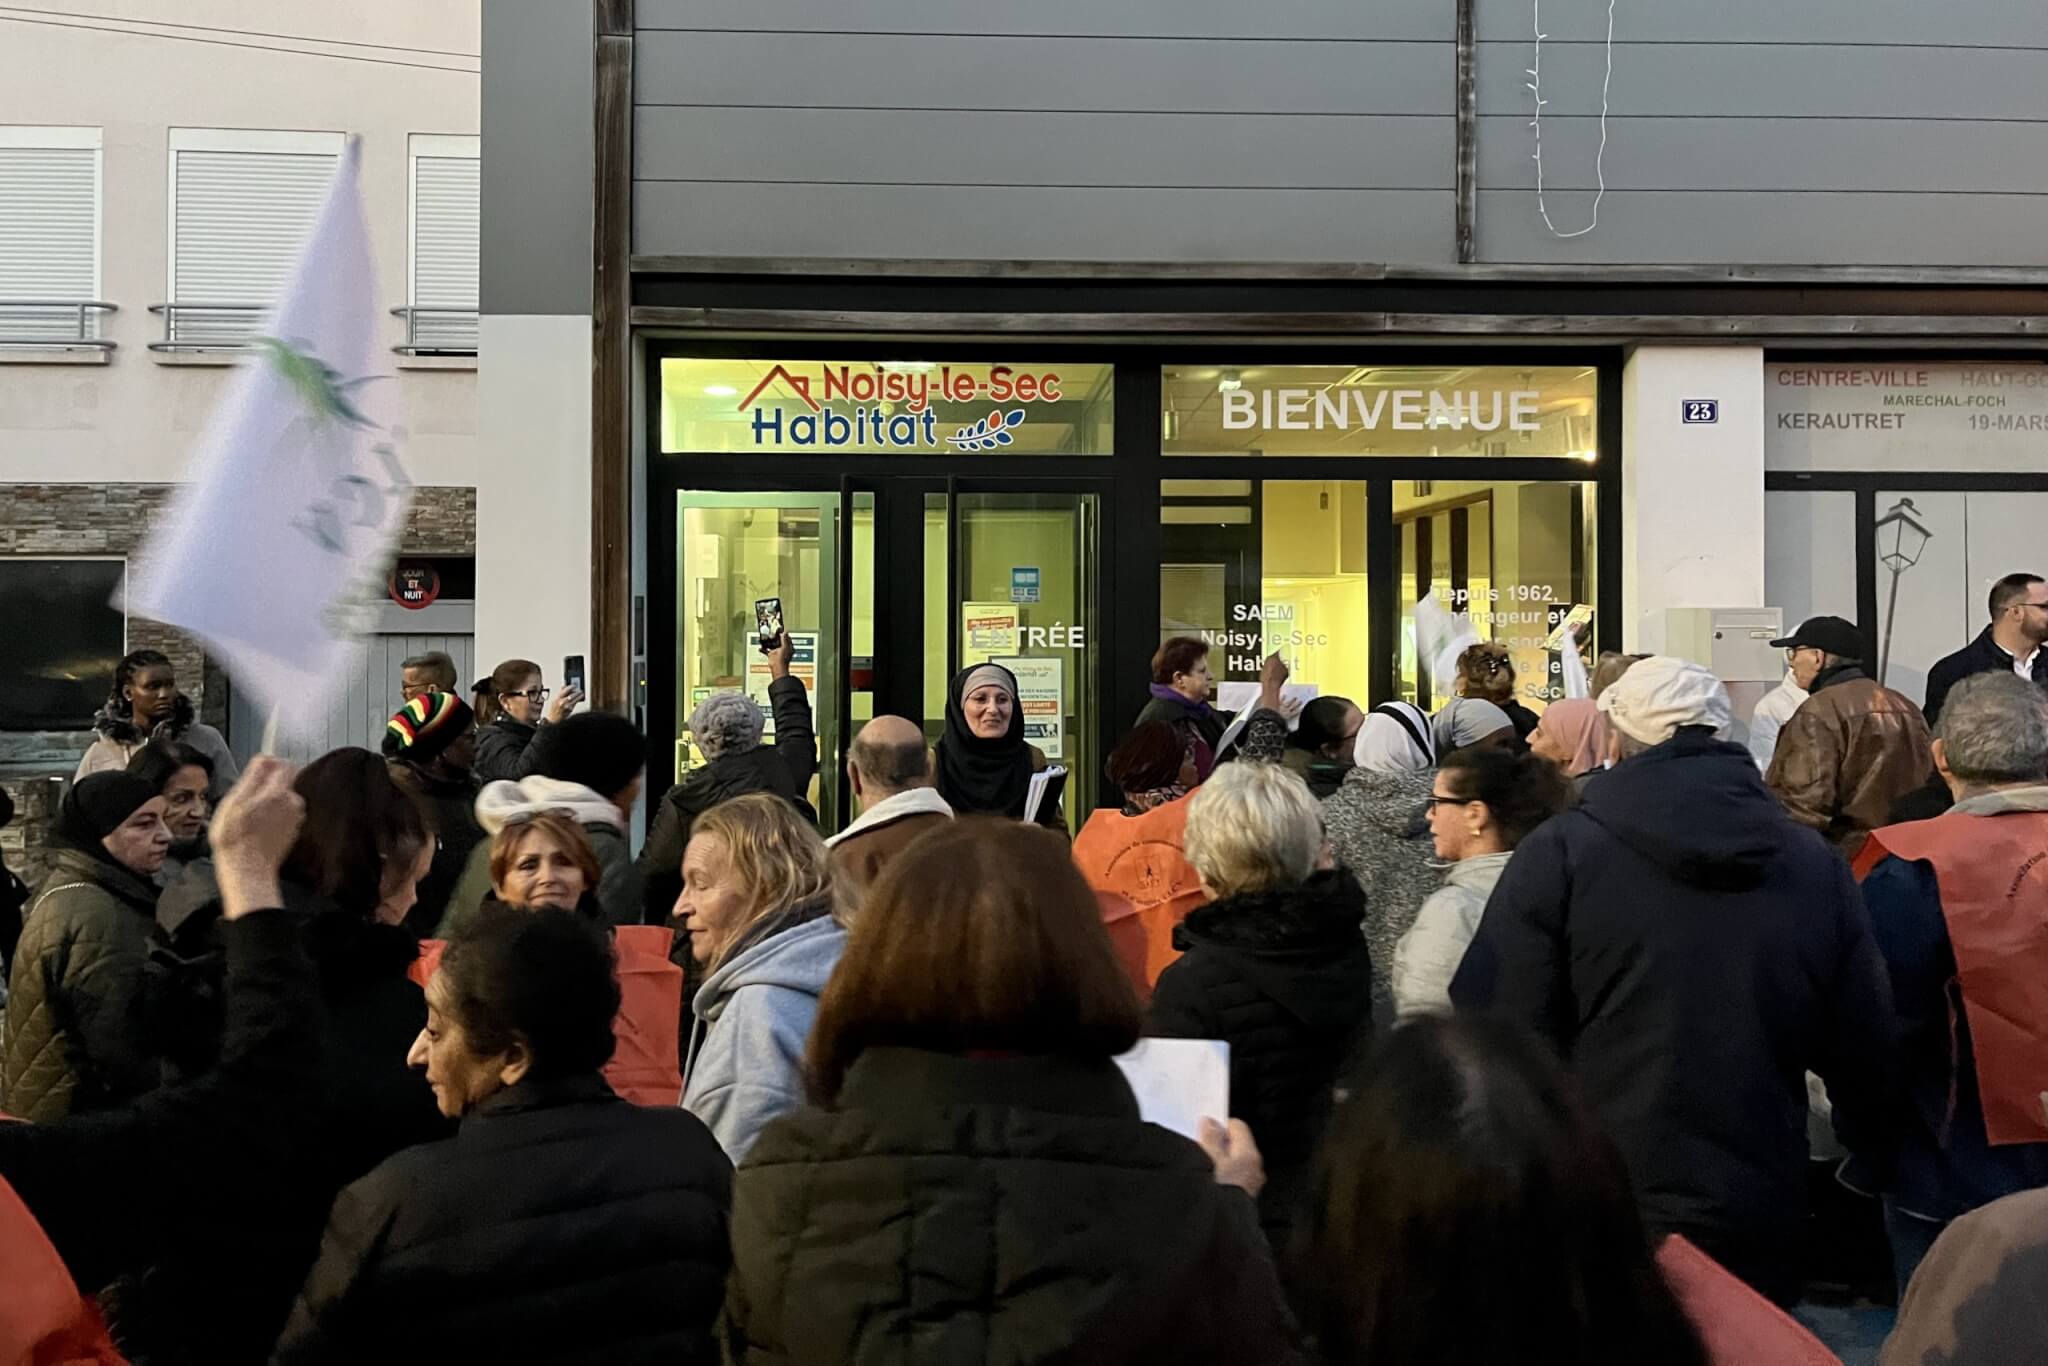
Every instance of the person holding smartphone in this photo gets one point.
(508, 745)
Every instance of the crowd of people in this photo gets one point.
(1529, 1016)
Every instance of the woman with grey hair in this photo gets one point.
(726, 728)
(1274, 966)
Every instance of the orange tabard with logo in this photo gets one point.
(1992, 872)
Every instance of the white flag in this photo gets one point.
(273, 550)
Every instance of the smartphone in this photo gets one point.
(768, 621)
(572, 672)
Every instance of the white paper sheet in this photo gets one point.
(1242, 697)
(1179, 1082)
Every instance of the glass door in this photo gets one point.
(1012, 578)
(736, 549)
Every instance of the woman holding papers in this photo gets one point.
(972, 1182)
(986, 767)
(1274, 966)
(1180, 697)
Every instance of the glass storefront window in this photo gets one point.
(1516, 556)
(1258, 566)
(906, 407)
(1440, 410)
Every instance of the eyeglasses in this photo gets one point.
(531, 694)
(1433, 801)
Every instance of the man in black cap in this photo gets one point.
(1854, 747)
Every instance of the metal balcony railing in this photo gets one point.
(206, 327)
(437, 331)
(53, 325)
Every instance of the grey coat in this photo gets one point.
(1375, 824)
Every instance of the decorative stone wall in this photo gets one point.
(115, 519)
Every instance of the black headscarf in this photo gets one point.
(97, 805)
(978, 776)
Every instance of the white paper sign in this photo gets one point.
(275, 549)
(1180, 1082)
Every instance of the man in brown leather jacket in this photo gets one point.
(1854, 747)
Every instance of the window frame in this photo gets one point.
(245, 140)
(60, 137)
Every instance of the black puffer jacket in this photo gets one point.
(785, 769)
(1285, 979)
(561, 1224)
(954, 1211)
(222, 1296)
(1692, 953)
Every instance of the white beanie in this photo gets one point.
(1659, 694)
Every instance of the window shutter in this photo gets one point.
(444, 261)
(49, 220)
(240, 220)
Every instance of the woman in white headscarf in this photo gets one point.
(1377, 827)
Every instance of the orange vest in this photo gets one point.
(646, 1067)
(1143, 883)
(44, 1321)
(1992, 872)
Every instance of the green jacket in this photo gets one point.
(74, 1039)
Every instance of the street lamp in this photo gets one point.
(1900, 539)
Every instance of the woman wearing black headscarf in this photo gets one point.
(75, 1039)
(985, 765)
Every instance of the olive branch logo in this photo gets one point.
(326, 394)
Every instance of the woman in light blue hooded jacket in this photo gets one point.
(759, 907)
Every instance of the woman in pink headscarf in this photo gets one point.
(1572, 735)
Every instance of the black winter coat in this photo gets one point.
(507, 750)
(451, 807)
(785, 770)
(222, 1297)
(954, 1211)
(1981, 656)
(1692, 952)
(1286, 980)
(561, 1224)
(117, 1190)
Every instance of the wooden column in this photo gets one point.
(611, 378)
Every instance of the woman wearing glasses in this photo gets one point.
(1481, 803)
(506, 746)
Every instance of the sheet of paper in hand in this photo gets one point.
(1179, 1082)
(1242, 697)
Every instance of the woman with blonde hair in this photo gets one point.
(759, 910)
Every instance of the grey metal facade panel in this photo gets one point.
(1752, 80)
(1989, 23)
(1129, 224)
(1337, 19)
(537, 155)
(1791, 155)
(1640, 227)
(980, 147)
(870, 71)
